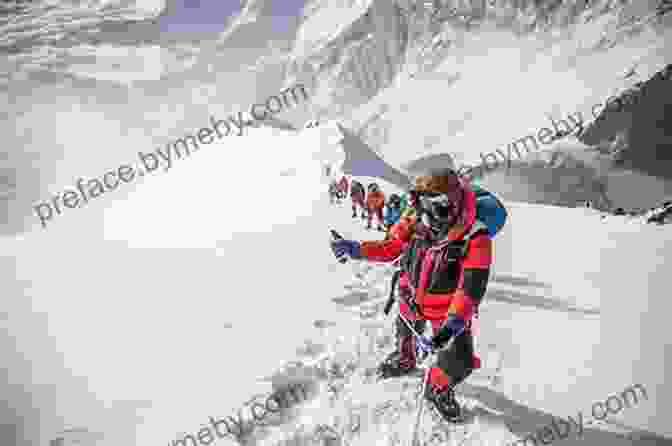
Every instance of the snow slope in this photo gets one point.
(178, 296)
(557, 336)
(596, 321)
(137, 317)
(156, 327)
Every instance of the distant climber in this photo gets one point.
(334, 195)
(343, 187)
(357, 197)
(375, 202)
(392, 211)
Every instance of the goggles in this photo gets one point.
(437, 204)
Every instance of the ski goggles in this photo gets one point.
(437, 204)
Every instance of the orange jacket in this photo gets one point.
(375, 200)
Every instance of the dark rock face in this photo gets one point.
(639, 121)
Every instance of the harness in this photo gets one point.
(458, 247)
(447, 251)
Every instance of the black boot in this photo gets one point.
(368, 225)
(354, 213)
(445, 403)
(400, 362)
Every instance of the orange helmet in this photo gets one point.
(440, 181)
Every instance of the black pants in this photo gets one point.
(457, 361)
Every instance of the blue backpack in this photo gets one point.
(489, 210)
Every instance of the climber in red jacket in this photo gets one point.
(343, 187)
(445, 268)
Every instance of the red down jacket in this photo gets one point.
(441, 287)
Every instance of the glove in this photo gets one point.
(345, 247)
(425, 344)
(453, 326)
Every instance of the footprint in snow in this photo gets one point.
(321, 323)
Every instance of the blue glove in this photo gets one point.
(453, 326)
(345, 247)
(425, 344)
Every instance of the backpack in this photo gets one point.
(404, 202)
(489, 210)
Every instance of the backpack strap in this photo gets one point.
(476, 227)
(454, 248)
(458, 248)
(461, 245)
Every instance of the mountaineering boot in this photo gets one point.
(401, 361)
(445, 403)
